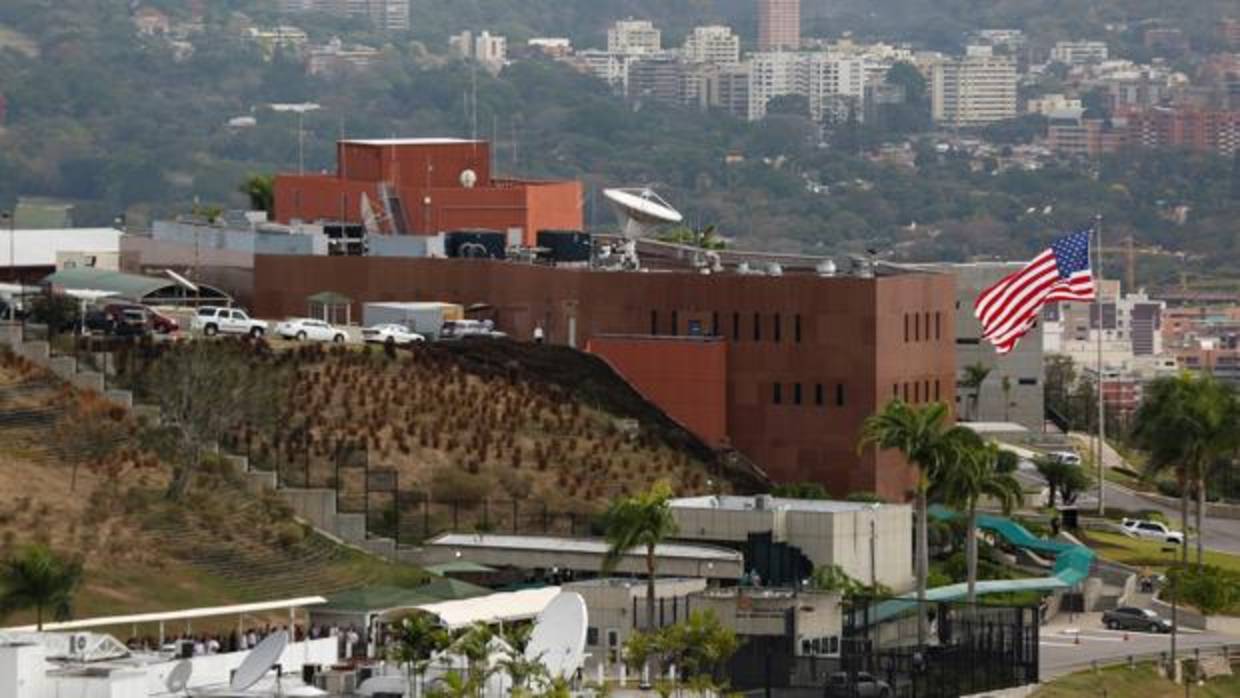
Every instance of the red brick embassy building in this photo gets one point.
(790, 365)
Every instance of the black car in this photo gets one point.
(1132, 618)
(859, 685)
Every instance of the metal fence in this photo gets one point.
(968, 648)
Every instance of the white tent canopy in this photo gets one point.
(187, 614)
(503, 607)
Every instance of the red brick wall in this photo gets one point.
(686, 377)
(851, 340)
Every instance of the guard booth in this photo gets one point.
(330, 307)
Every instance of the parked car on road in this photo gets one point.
(153, 319)
(391, 333)
(212, 320)
(308, 329)
(1133, 618)
(116, 321)
(1152, 530)
(841, 685)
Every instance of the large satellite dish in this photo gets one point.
(559, 636)
(259, 661)
(640, 210)
(178, 678)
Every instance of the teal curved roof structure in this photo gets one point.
(1072, 565)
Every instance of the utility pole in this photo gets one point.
(1101, 401)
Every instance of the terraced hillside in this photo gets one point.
(467, 435)
(142, 552)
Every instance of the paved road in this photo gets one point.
(1220, 534)
(1068, 644)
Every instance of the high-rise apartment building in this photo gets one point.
(1079, 52)
(388, 15)
(825, 80)
(976, 89)
(634, 36)
(779, 24)
(713, 44)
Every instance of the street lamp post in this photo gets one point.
(1175, 607)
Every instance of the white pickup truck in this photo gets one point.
(211, 320)
(1152, 530)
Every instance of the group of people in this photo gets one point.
(239, 641)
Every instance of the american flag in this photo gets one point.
(1010, 308)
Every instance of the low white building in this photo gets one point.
(793, 537)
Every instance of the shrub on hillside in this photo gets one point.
(1210, 589)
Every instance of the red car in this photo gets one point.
(154, 319)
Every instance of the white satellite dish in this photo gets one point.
(641, 210)
(181, 280)
(469, 178)
(559, 636)
(383, 684)
(259, 661)
(178, 678)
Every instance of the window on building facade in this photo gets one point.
(938, 317)
(675, 323)
(714, 324)
(654, 322)
(818, 394)
(736, 327)
(796, 329)
(839, 394)
(796, 393)
(778, 396)
(779, 329)
(757, 327)
(936, 389)
(906, 328)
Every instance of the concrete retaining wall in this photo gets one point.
(1213, 510)
(38, 352)
(88, 380)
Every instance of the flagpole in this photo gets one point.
(1101, 402)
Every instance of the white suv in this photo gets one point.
(1152, 530)
(212, 320)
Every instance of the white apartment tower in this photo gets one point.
(634, 36)
(976, 89)
(1079, 52)
(713, 44)
(826, 80)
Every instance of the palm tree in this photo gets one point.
(643, 520)
(261, 191)
(1185, 423)
(928, 442)
(974, 376)
(976, 473)
(37, 578)
(474, 644)
(416, 639)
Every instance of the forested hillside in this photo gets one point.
(98, 114)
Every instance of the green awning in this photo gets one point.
(329, 298)
(448, 589)
(375, 598)
(382, 598)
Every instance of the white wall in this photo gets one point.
(23, 672)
